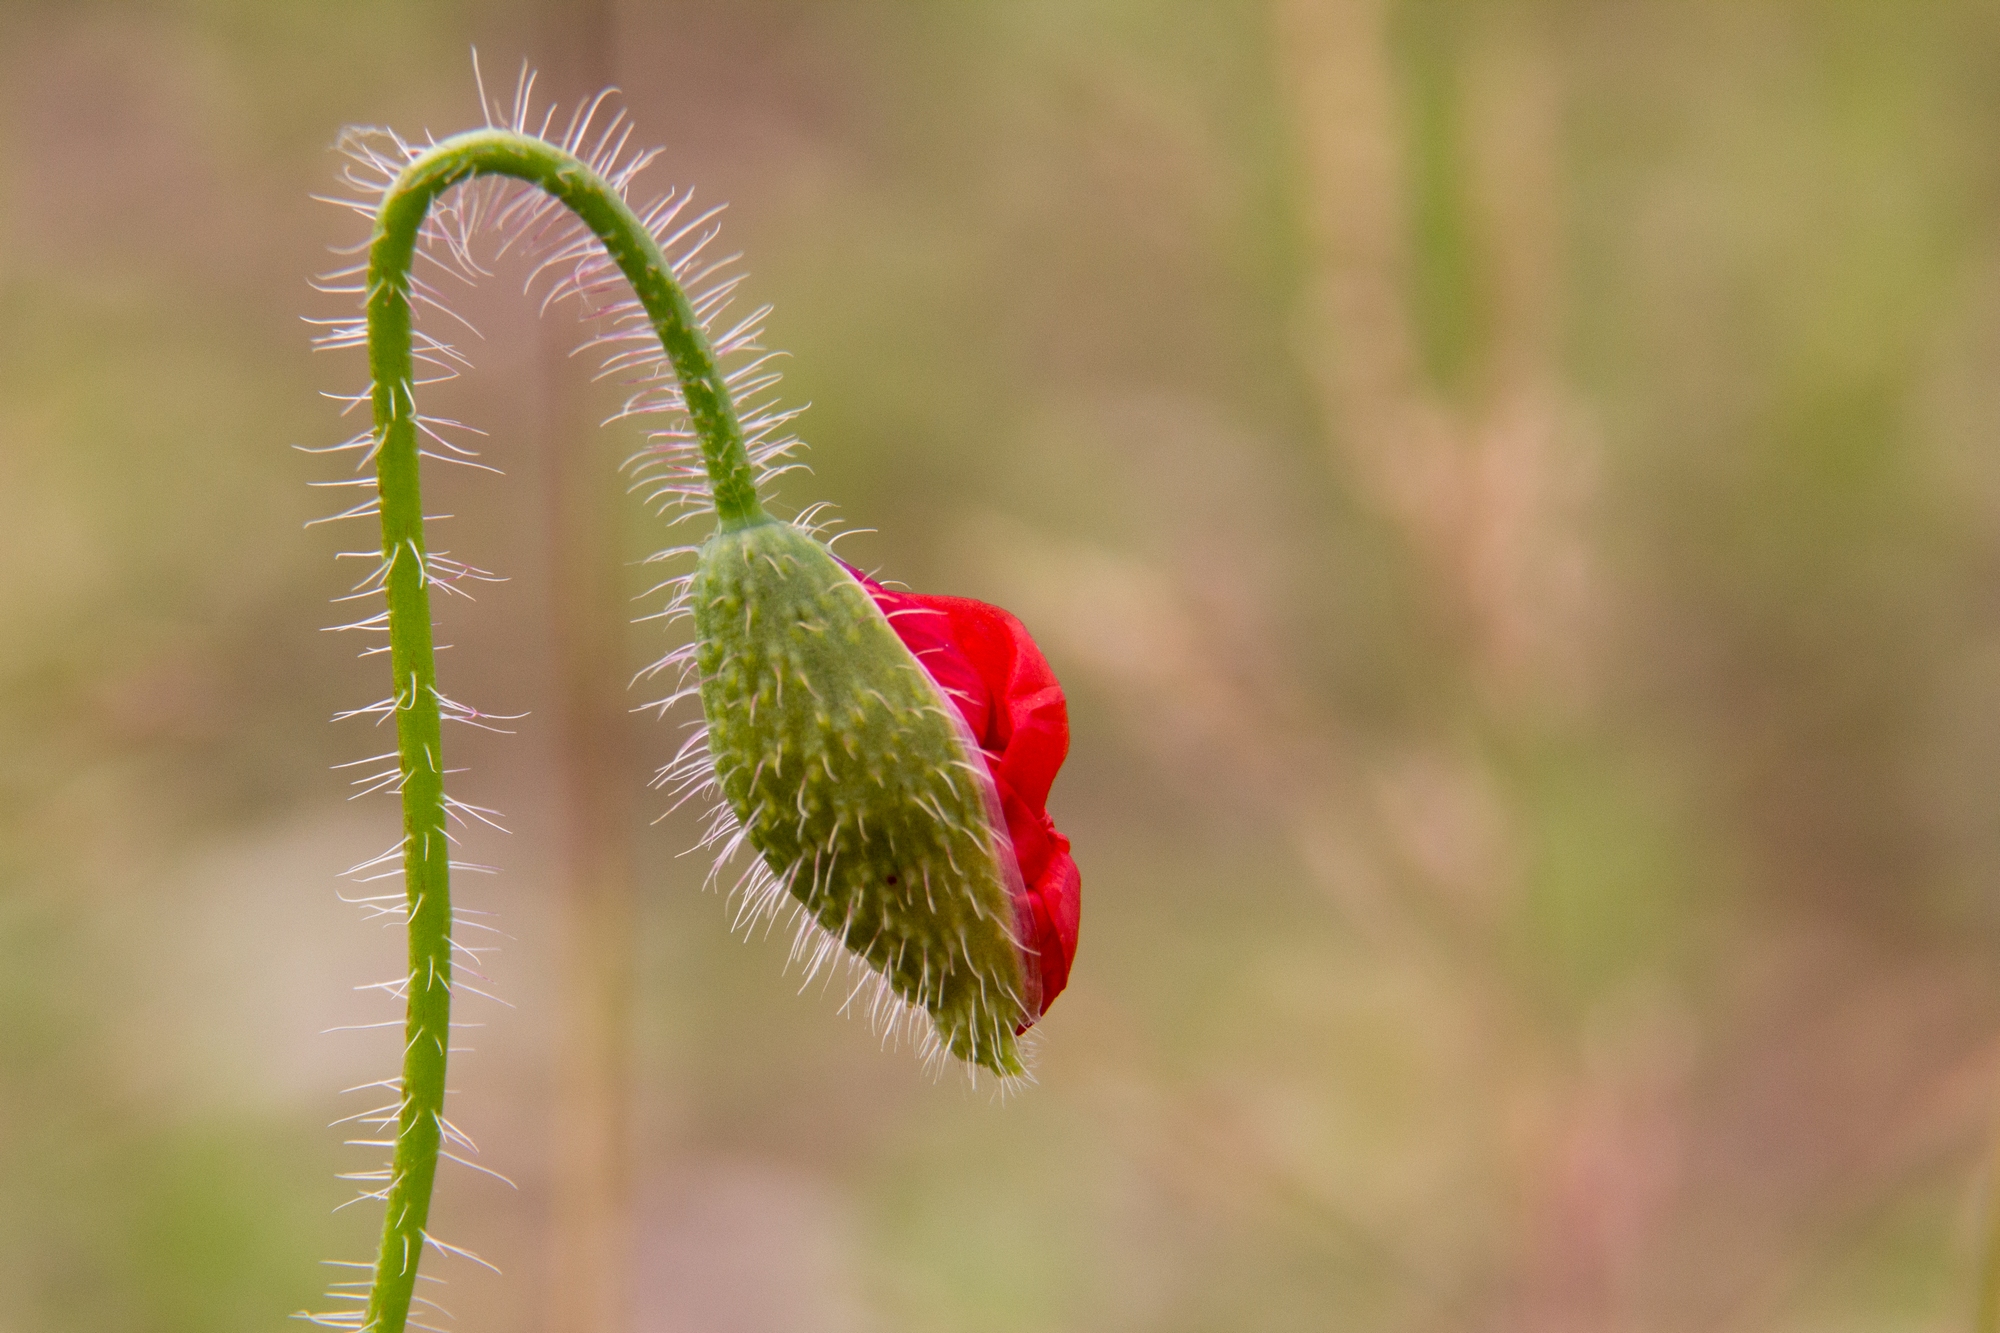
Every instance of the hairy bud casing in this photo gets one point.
(858, 783)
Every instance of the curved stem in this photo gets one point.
(420, 1122)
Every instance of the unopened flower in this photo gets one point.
(889, 756)
(891, 777)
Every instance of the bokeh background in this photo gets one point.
(1509, 485)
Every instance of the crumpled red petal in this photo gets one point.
(984, 661)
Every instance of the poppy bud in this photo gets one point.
(863, 788)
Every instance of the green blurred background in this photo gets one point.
(1509, 487)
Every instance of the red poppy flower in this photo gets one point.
(983, 660)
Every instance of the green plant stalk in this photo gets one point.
(1986, 1313)
(732, 482)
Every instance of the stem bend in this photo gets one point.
(487, 152)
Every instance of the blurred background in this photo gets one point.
(1509, 488)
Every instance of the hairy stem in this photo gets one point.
(732, 482)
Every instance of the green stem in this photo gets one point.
(732, 482)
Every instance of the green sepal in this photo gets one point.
(852, 775)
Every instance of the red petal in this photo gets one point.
(984, 661)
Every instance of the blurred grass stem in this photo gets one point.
(589, 1286)
(1986, 1318)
